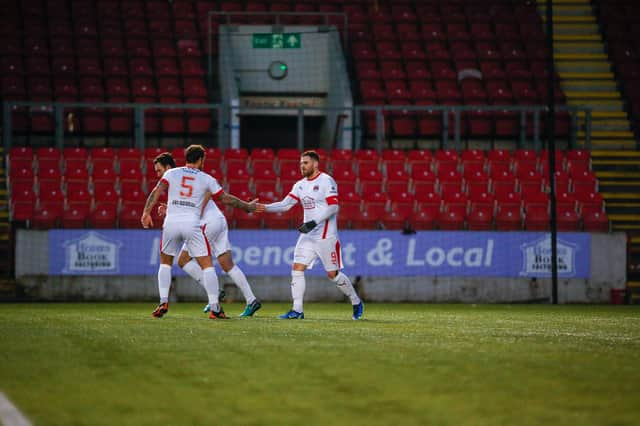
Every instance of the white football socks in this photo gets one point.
(240, 280)
(344, 285)
(298, 286)
(210, 283)
(194, 271)
(164, 282)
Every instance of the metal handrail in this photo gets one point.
(139, 109)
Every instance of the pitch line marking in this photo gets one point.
(9, 413)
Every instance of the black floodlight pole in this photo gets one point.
(551, 138)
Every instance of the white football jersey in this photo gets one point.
(187, 188)
(211, 213)
(316, 195)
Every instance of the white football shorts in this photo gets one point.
(328, 250)
(189, 234)
(217, 233)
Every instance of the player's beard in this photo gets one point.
(309, 173)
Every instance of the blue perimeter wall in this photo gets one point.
(365, 253)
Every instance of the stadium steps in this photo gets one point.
(5, 230)
(618, 175)
(633, 292)
(633, 269)
(586, 75)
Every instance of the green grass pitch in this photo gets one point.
(404, 364)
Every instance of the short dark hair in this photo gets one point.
(165, 159)
(193, 153)
(311, 154)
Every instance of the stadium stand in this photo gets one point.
(404, 53)
(104, 52)
(394, 190)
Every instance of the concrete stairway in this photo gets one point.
(619, 183)
(7, 285)
(586, 75)
(618, 174)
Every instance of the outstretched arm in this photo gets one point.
(152, 199)
(280, 206)
(233, 201)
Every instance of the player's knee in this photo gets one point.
(226, 261)
(332, 275)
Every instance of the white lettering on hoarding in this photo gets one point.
(456, 257)
(380, 255)
(252, 256)
(348, 251)
(277, 255)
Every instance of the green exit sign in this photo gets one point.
(276, 41)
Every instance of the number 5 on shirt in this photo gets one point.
(186, 183)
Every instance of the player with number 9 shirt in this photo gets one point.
(317, 192)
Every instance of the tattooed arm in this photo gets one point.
(233, 201)
(152, 199)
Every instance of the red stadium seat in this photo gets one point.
(76, 170)
(246, 220)
(47, 215)
(131, 191)
(397, 182)
(370, 181)
(508, 218)
(476, 181)
(568, 220)
(589, 202)
(129, 216)
(451, 220)
(480, 219)
(23, 192)
(152, 152)
(103, 216)
(21, 152)
(50, 191)
(75, 217)
(281, 220)
(431, 201)
(530, 180)
(105, 193)
(21, 170)
(596, 222)
(450, 180)
(585, 181)
(423, 220)
(368, 218)
(103, 169)
(22, 211)
(394, 220)
(502, 181)
(103, 153)
(536, 218)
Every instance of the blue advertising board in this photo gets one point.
(367, 253)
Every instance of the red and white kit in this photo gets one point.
(187, 188)
(319, 199)
(215, 228)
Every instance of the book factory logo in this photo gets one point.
(92, 253)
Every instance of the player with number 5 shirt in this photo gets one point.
(189, 188)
